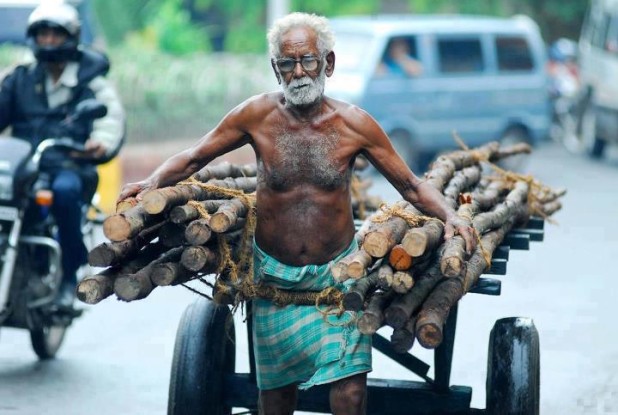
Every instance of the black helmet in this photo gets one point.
(55, 15)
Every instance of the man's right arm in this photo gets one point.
(229, 134)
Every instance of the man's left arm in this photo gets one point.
(107, 132)
(379, 150)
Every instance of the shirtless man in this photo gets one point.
(305, 144)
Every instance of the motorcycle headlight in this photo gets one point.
(6, 187)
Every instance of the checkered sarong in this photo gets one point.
(296, 344)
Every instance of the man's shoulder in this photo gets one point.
(261, 103)
(346, 109)
(271, 98)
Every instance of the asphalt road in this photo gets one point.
(116, 358)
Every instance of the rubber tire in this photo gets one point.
(590, 143)
(204, 353)
(47, 339)
(513, 368)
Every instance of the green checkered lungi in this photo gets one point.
(296, 344)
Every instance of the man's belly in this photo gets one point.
(304, 231)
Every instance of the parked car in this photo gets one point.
(14, 18)
(482, 77)
(598, 57)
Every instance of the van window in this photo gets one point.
(513, 54)
(399, 58)
(460, 55)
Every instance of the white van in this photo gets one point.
(483, 77)
(598, 57)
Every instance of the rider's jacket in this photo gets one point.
(27, 104)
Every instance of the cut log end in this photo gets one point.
(126, 288)
(339, 272)
(399, 259)
(116, 228)
(402, 282)
(415, 243)
(429, 331)
(154, 202)
(91, 291)
(100, 256)
(356, 270)
(220, 222)
(375, 245)
(164, 274)
(451, 267)
(353, 301)
(126, 204)
(368, 323)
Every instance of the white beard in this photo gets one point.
(312, 89)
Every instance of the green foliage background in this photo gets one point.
(184, 26)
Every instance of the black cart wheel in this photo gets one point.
(203, 354)
(513, 369)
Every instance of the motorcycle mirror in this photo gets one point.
(90, 109)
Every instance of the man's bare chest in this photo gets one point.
(305, 157)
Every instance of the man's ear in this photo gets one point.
(272, 63)
(330, 63)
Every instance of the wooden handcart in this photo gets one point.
(204, 380)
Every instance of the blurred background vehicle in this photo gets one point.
(598, 55)
(483, 77)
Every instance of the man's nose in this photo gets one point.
(45, 39)
(48, 39)
(299, 72)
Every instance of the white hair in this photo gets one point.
(319, 24)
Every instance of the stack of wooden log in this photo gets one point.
(407, 276)
(196, 229)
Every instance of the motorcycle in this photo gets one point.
(31, 271)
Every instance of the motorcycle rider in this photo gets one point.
(564, 89)
(36, 100)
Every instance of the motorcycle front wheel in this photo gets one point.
(47, 339)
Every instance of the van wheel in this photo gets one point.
(416, 159)
(512, 136)
(590, 142)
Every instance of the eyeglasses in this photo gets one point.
(308, 62)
